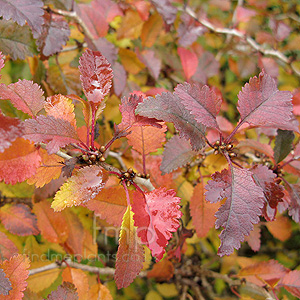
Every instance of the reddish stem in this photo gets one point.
(126, 192)
(93, 128)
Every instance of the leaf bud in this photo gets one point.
(128, 183)
(139, 174)
(85, 157)
(147, 176)
(126, 174)
(229, 147)
(216, 152)
(232, 154)
(102, 158)
(102, 149)
(93, 157)
(222, 147)
(130, 170)
(217, 143)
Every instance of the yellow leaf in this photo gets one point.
(130, 61)
(152, 295)
(151, 29)
(131, 26)
(167, 290)
(99, 291)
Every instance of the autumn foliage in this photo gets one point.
(149, 148)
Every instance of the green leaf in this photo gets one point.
(16, 40)
(283, 144)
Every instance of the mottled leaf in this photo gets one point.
(203, 103)
(130, 255)
(66, 291)
(291, 282)
(16, 270)
(177, 153)
(55, 34)
(19, 162)
(21, 11)
(7, 247)
(262, 104)
(244, 201)
(283, 144)
(80, 188)
(202, 212)
(24, 95)
(47, 129)
(156, 215)
(5, 285)
(18, 219)
(167, 107)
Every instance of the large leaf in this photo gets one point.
(24, 95)
(244, 201)
(47, 129)
(167, 107)
(262, 104)
(21, 11)
(291, 281)
(16, 270)
(130, 255)
(203, 103)
(80, 188)
(15, 40)
(156, 215)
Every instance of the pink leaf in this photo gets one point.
(119, 79)
(189, 61)
(24, 95)
(153, 63)
(294, 208)
(244, 201)
(10, 129)
(291, 282)
(22, 11)
(1, 62)
(262, 104)
(96, 75)
(203, 103)
(244, 14)
(156, 216)
(167, 107)
(166, 9)
(47, 129)
(253, 239)
(177, 153)
(55, 34)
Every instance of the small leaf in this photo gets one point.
(80, 188)
(130, 255)
(47, 129)
(166, 9)
(189, 61)
(294, 207)
(7, 247)
(5, 285)
(156, 215)
(203, 103)
(177, 153)
(22, 11)
(130, 61)
(66, 291)
(24, 95)
(291, 282)
(162, 270)
(281, 228)
(253, 239)
(16, 270)
(168, 107)
(283, 144)
(18, 219)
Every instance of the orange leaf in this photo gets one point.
(253, 239)
(110, 204)
(53, 225)
(16, 270)
(151, 29)
(162, 271)
(17, 219)
(79, 279)
(130, 61)
(7, 247)
(130, 256)
(202, 212)
(49, 169)
(19, 162)
(99, 291)
(281, 228)
(291, 282)
(189, 61)
(131, 26)
(146, 139)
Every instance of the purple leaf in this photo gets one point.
(47, 129)
(119, 79)
(244, 201)
(167, 107)
(262, 104)
(166, 9)
(107, 49)
(55, 34)
(21, 11)
(5, 285)
(294, 208)
(203, 103)
(153, 63)
(177, 153)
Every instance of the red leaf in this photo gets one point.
(80, 188)
(66, 291)
(5, 285)
(22, 11)
(203, 103)
(10, 129)
(130, 256)
(16, 270)
(177, 153)
(47, 129)
(96, 75)
(291, 282)
(19, 162)
(7, 247)
(18, 219)
(189, 61)
(202, 212)
(156, 216)
(24, 95)
(1, 61)
(167, 107)
(262, 104)
(244, 201)
(55, 34)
